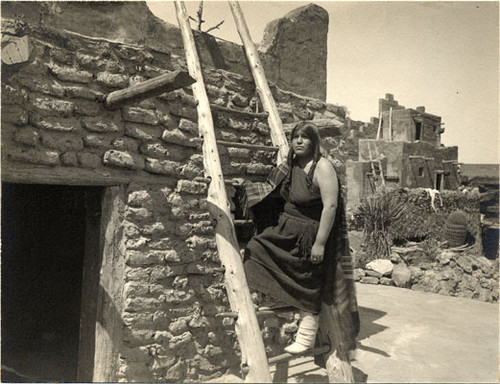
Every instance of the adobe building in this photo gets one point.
(110, 270)
(406, 153)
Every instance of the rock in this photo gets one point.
(369, 272)
(395, 258)
(484, 265)
(386, 281)
(358, 274)
(465, 263)
(444, 257)
(401, 275)
(298, 40)
(382, 266)
(370, 280)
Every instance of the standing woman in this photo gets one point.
(300, 260)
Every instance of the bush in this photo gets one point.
(381, 214)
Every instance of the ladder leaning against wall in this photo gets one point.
(255, 364)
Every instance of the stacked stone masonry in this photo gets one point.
(55, 124)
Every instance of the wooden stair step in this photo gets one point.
(235, 144)
(243, 222)
(206, 180)
(259, 312)
(255, 115)
(288, 356)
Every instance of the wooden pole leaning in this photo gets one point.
(379, 126)
(247, 328)
(278, 136)
(166, 82)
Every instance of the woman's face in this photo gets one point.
(301, 144)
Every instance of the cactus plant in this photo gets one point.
(455, 229)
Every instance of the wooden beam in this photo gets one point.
(39, 174)
(234, 144)
(276, 129)
(254, 115)
(379, 126)
(390, 124)
(109, 324)
(288, 356)
(166, 82)
(338, 366)
(253, 353)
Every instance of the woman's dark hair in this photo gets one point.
(312, 132)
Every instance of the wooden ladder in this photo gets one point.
(254, 364)
(377, 171)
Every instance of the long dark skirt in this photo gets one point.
(275, 266)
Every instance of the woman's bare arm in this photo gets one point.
(326, 178)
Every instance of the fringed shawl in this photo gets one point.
(339, 303)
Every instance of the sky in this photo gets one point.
(441, 55)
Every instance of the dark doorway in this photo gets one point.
(439, 180)
(43, 248)
(418, 130)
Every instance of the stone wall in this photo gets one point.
(56, 129)
(300, 35)
(449, 273)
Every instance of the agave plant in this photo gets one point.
(381, 214)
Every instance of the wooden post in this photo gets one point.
(379, 125)
(166, 82)
(338, 366)
(247, 328)
(390, 124)
(276, 128)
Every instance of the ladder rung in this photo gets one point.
(262, 115)
(259, 313)
(243, 222)
(288, 356)
(200, 179)
(234, 144)
(231, 315)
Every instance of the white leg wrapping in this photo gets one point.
(306, 335)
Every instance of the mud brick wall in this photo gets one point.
(56, 129)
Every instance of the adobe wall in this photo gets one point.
(293, 50)
(169, 286)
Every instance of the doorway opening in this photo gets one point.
(43, 247)
(418, 130)
(439, 181)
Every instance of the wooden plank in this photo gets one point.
(338, 366)
(39, 174)
(166, 82)
(234, 144)
(109, 325)
(379, 126)
(276, 129)
(288, 356)
(247, 328)
(281, 373)
(390, 124)
(260, 115)
(90, 285)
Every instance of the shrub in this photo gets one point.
(381, 214)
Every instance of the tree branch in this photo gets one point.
(214, 27)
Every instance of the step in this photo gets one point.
(234, 144)
(255, 115)
(206, 180)
(288, 356)
(259, 312)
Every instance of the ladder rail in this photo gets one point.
(252, 348)
(277, 132)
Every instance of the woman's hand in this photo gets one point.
(317, 253)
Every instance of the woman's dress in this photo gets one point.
(277, 261)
